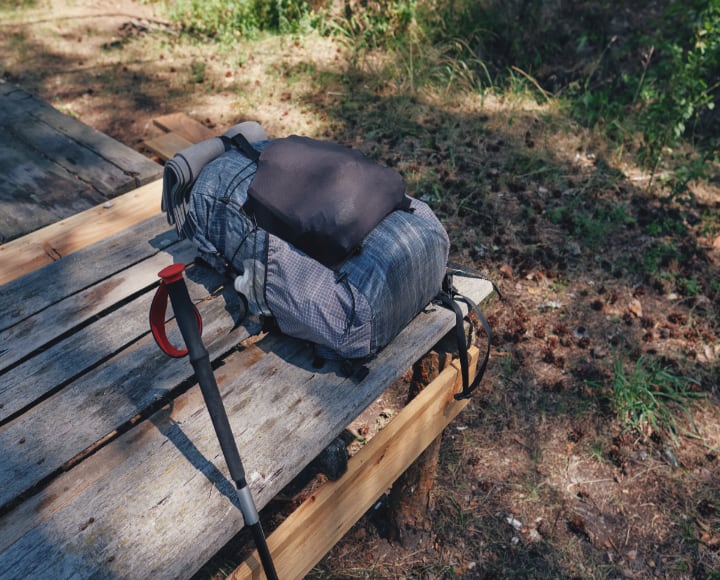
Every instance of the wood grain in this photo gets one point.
(54, 166)
(56, 281)
(166, 145)
(50, 434)
(185, 126)
(36, 191)
(42, 247)
(59, 363)
(33, 333)
(139, 169)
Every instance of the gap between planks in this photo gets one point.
(44, 246)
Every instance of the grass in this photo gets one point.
(652, 400)
(591, 222)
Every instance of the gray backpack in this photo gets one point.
(349, 302)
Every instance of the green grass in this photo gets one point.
(13, 5)
(590, 221)
(659, 258)
(666, 97)
(227, 20)
(649, 398)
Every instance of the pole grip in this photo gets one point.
(174, 281)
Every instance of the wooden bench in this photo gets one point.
(110, 465)
(81, 229)
(54, 166)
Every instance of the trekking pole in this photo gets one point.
(190, 323)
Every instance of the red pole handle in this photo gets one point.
(158, 309)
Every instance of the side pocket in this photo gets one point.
(357, 339)
(308, 303)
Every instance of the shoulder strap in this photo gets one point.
(244, 145)
(450, 298)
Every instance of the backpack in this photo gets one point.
(316, 237)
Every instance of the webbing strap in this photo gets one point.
(473, 308)
(449, 297)
(243, 144)
(448, 300)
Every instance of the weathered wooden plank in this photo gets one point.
(6, 88)
(59, 364)
(67, 529)
(58, 280)
(52, 322)
(62, 238)
(44, 438)
(320, 522)
(35, 192)
(185, 126)
(54, 166)
(20, 110)
(17, 103)
(140, 495)
(136, 166)
(196, 512)
(68, 359)
(166, 145)
(81, 162)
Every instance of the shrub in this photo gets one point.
(225, 20)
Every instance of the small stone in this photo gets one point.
(635, 308)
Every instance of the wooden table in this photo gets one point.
(110, 466)
(54, 166)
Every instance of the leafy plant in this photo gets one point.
(667, 96)
(225, 20)
(666, 226)
(659, 258)
(197, 72)
(591, 223)
(375, 24)
(649, 396)
(690, 286)
(681, 88)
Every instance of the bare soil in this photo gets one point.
(539, 477)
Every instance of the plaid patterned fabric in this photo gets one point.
(224, 235)
(350, 312)
(357, 310)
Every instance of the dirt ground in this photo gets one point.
(538, 476)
